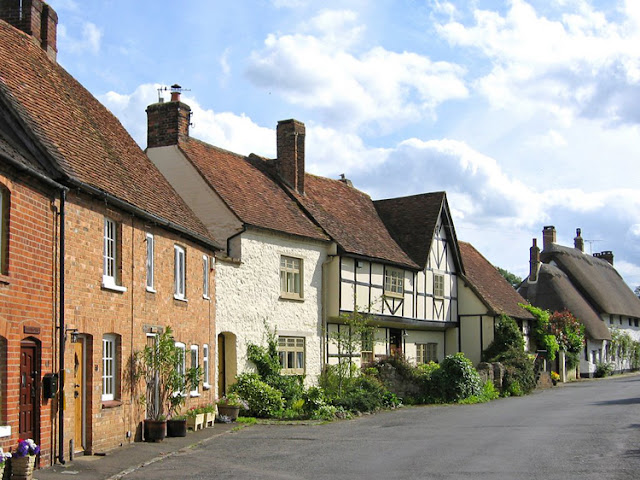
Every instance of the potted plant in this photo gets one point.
(209, 415)
(177, 426)
(23, 460)
(157, 365)
(195, 418)
(229, 406)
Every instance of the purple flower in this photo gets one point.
(27, 447)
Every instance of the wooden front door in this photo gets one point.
(29, 404)
(78, 394)
(222, 381)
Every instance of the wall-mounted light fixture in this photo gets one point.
(74, 334)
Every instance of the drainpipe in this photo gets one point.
(63, 196)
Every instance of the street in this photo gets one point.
(588, 430)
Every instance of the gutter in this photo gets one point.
(63, 196)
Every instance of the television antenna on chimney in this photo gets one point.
(591, 242)
(175, 88)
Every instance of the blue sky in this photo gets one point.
(526, 112)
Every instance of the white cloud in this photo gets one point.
(322, 70)
(579, 63)
(89, 41)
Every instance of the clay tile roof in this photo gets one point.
(412, 222)
(493, 290)
(554, 291)
(248, 189)
(350, 218)
(85, 142)
(596, 279)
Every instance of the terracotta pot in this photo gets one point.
(229, 411)
(177, 428)
(155, 430)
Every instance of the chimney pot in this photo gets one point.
(175, 92)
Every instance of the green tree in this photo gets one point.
(348, 342)
(637, 291)
(507, 335)
(513, 279)
(569, 334)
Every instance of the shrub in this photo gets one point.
(264, 400)
(364, 394)
(604, 369)
(456, 378)
(519, 378)
(507, 335)
(488, 393)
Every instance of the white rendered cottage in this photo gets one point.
(270, 274)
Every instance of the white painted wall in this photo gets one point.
(248, 295)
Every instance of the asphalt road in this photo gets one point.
(588, 430)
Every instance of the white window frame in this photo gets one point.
(438, 285)
(205, 277)
(181, 367)
(426, 352)
(292, 354)
(291, 277)
(393, 282)
(109, 366)
(205, 366)
(195, 355)
(180, 273)
(110, 256)
(151, 246)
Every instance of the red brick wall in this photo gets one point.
(27, 300)
(95, 311)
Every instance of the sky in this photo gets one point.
(527, 113)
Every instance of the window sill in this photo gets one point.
(288, 296)
(194, 394)
(5, 431)
(151, 290)
(111, 403)
(4, 279)
(206, 386)
(206, 297)
(109, 285)
(393, 295)
(180, 299)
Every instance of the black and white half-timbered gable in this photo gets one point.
(396, 260)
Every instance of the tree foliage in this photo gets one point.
(545, 340)
(513, 279)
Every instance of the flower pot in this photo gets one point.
(196, 422)
(209, 419)
(230, 411)
(177, 428)
(155, 430)
(22, 467)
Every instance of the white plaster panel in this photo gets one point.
(248, 295)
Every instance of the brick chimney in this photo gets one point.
(290, 139)
(534, 261)
(35, 18)
(168, 123)
(578, 242)
(606, 255)
(548, 236)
